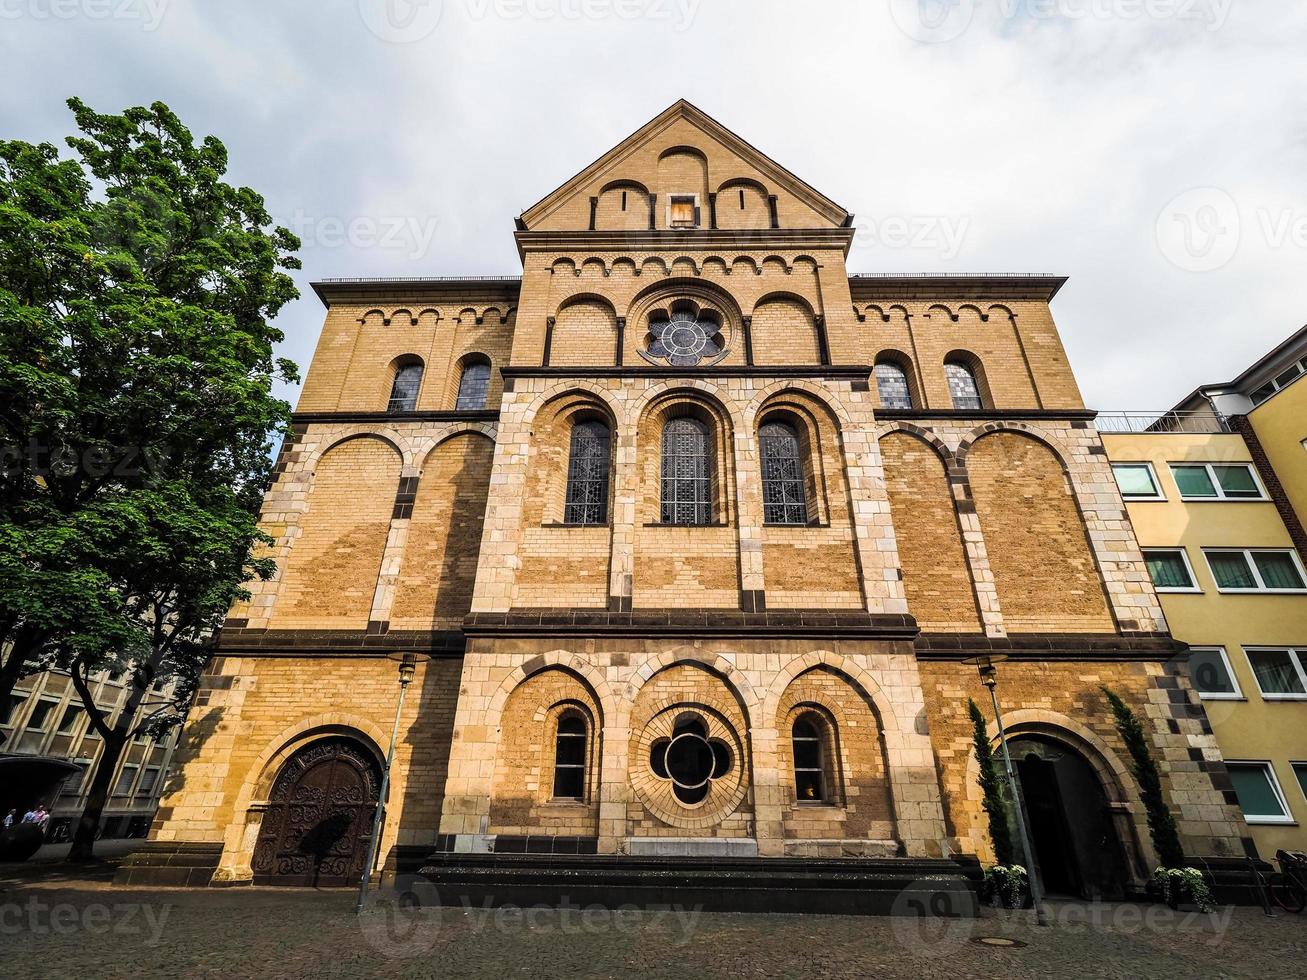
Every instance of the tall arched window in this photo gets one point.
(892, 383)
(685, 483)
(809, 768)
(404, 389)
(569, 758)
(784, 494)
(962, 385)
(473, 387)
(587, 474)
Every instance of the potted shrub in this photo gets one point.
(1006, 884)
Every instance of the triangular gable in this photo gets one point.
(729, 160)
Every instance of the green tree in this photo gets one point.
(995, 802)
(1161, 823)
(137, 411)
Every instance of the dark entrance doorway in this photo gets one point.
(1077, 850)
(319, 818)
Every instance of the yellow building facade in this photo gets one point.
(1215, 492)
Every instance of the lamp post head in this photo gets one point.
(408, 663)
(985, 664)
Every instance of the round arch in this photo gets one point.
(863, 682)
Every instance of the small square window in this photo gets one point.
(1194, 481)
(682, 211)
(1211, 676)
(1279, 673)
(42, 711)
(1277, 570)
(1169, 569)
(1259, 792)
(1237, 482)
(71, 716)
(1136, 481)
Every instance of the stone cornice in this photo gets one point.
(697, 239)
(373, 418)
(855, 371)
(716, 623)
(986, 414)
(990, 287)
(1085, 647)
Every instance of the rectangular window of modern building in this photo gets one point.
(1169, 568)
(1282, 380)
(149, 778)
(1300, 771)
(1137, 481)
(1256, 570)
(1211, 676)
(9, 711)
(42, 712)
(1217, 481)
(125, 779)
(1279, 672)
(1259, 792)
(71, 716)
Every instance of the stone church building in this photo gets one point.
(696, 529)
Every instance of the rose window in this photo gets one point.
(690, 760)
(684, 337)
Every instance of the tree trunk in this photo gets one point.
(115, 741)
(26, 642)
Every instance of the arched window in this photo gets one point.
(587, 474)
(569, 758)
(404, 389)
(473, 387)
(784, 495)
(892, 383)
(809, 768)
(685, 483)
(962, 385)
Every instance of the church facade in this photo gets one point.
(696, 529)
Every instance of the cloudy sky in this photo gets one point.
(1152, 150)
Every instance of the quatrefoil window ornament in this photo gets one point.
(684, 337)
(690, 760)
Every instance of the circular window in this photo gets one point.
(690, 759)
(685, 337)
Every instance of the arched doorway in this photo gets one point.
(1077, 849)
(319, 818)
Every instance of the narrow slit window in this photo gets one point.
(809, 772)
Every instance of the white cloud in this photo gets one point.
(1054, 132)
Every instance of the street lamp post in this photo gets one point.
(989, 677)
(407, 668)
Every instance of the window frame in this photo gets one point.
(567, 714)
(407, 365)
(1221, 496)
(1301, 780)
(1274, 780)
(802, 477)
(1296, 656)
(1156, 495)
(820, 727)
(975, 381)
(890, 362)
(1261, 588)
(574, 479)
(1193, 589)
(709, 502)
(695, 212)
(1237, 694)
(467, 366)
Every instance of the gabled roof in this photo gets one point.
(683, 110)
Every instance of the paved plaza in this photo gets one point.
(62, 929)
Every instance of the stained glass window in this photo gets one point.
(892, 383)
(685, 480)
(404, 390)
(587, 474)
(473, 388)
(962, 386)
(784, 495)
(685, 338)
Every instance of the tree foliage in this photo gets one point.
(1161, 822)
(995, 801)
(137, 412)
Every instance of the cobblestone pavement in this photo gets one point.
(97, 930)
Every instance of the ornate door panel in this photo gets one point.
(319, 817)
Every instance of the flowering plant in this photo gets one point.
(1175, 883)
(1006, 886)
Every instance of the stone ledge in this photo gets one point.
(789, 624)
(237, 641)
(1051, 646)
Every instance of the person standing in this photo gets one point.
(10, 817)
